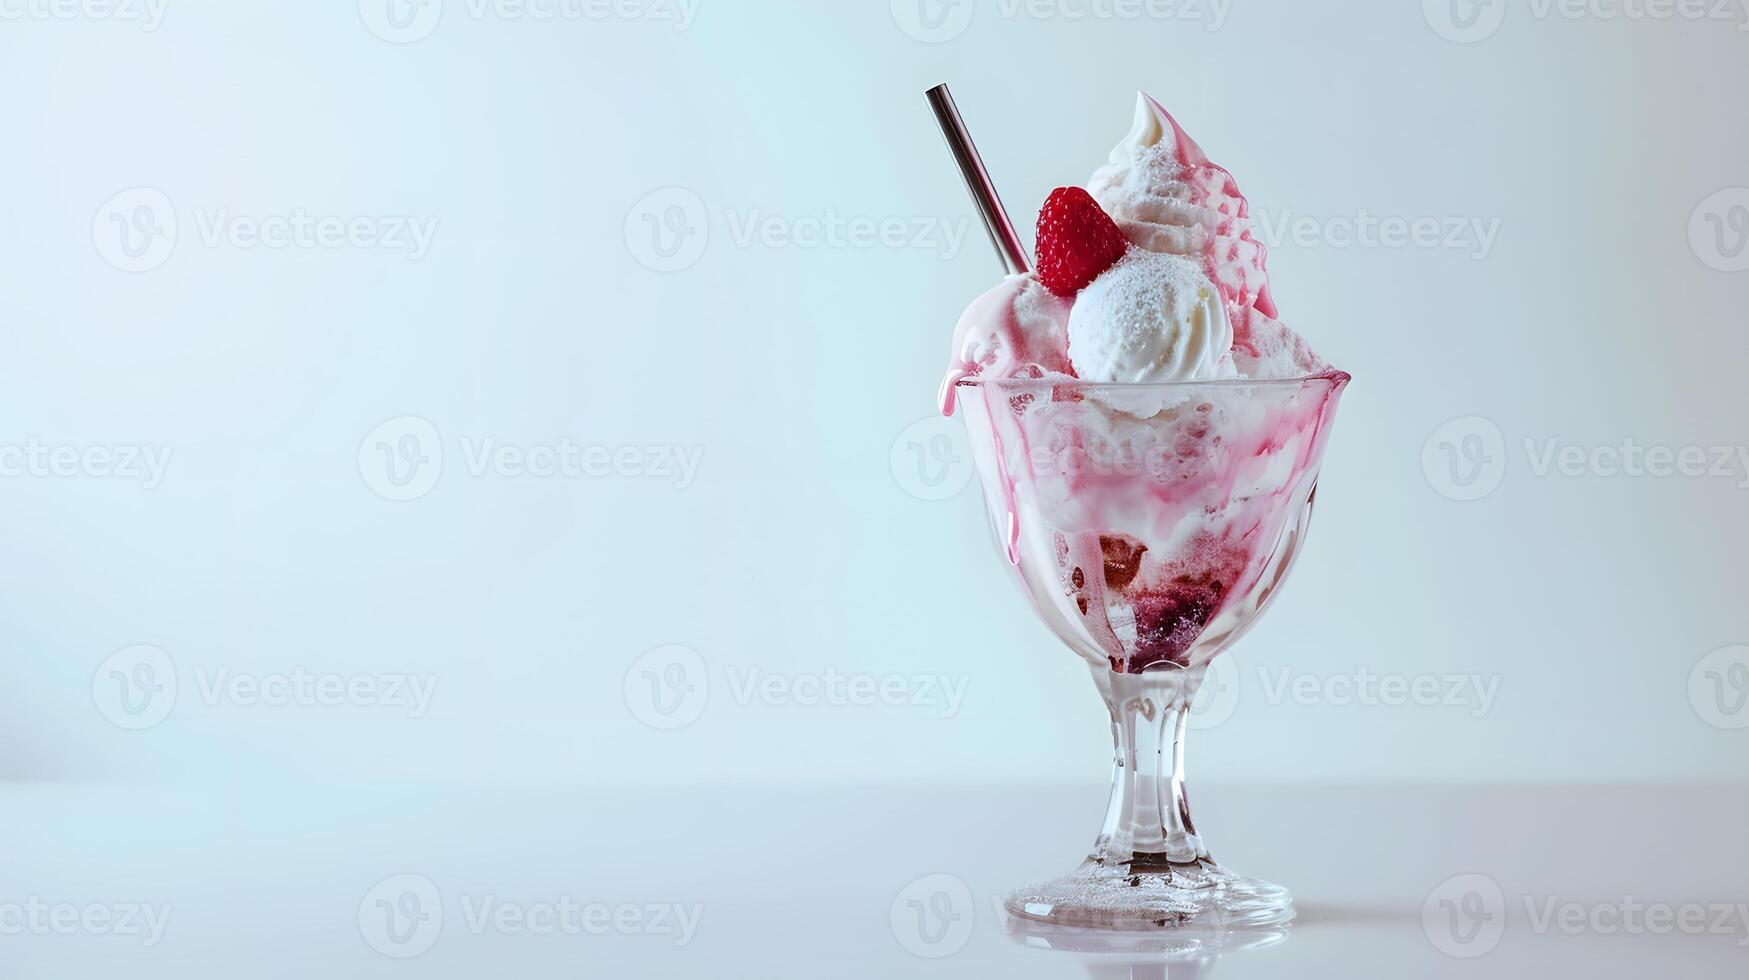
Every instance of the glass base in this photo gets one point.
(1140, 895)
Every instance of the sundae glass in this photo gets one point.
(1148, 438)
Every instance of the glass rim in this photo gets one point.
(1331, 376)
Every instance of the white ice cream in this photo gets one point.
(1151, 317)
(1143, 189)
(1167, 196)
(1190, 301)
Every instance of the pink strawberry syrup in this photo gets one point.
(1149, 533)
(1167, 539)
(1234, 260)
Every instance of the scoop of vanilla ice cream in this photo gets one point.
(1189, 301)
(1014, 326)
(1151, 317)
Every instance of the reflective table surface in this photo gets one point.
(852, 880)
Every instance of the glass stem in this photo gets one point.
(1147, 824)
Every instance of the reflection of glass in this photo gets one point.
(1149, 525)
(1177, 954)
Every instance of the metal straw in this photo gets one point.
(983, 190)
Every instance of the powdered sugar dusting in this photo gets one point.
(1152, 317)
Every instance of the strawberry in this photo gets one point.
(1077, 241)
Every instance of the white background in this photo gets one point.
(1594, 318)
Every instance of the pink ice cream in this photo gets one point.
(1148, 445)
(1170, 201)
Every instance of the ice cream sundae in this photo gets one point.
(1148, 435)
(1139, 505)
